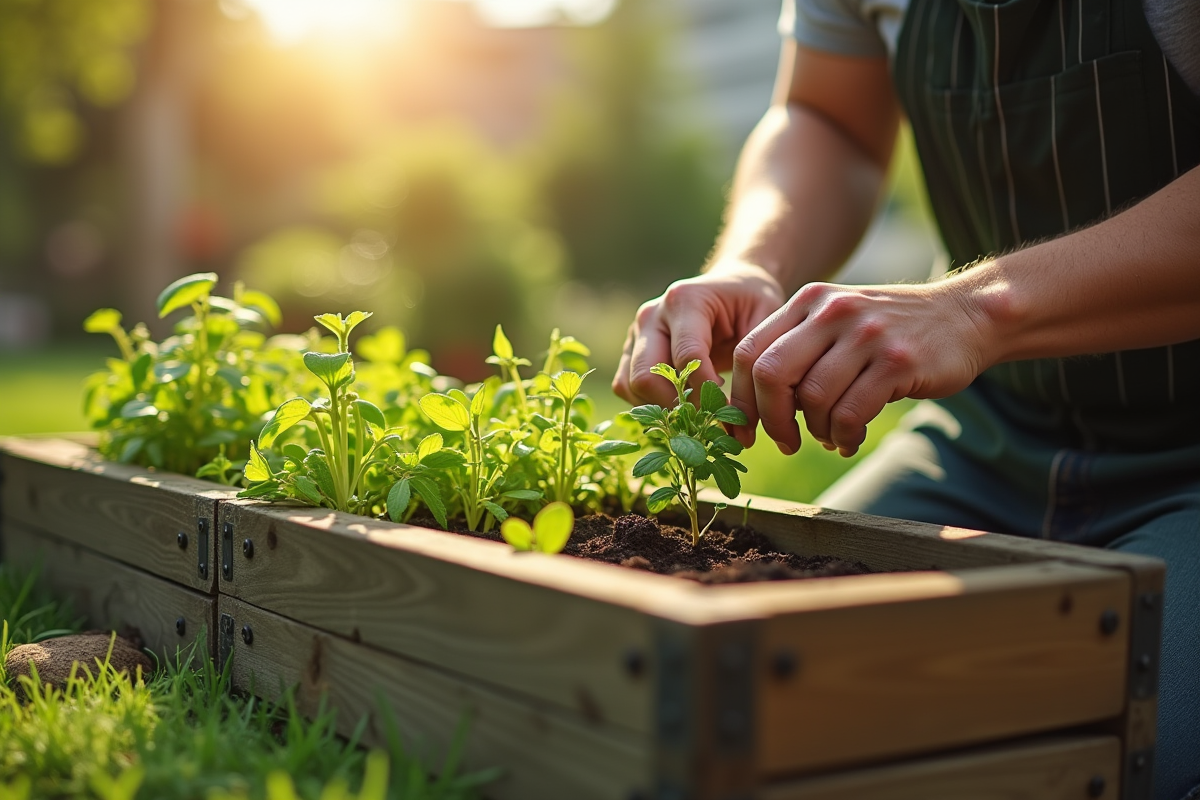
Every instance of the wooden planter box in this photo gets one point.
(993, 666)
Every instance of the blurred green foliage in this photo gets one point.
(56, 55)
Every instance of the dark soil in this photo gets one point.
(740, 555)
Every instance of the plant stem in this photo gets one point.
(563, 490)
(691, 506)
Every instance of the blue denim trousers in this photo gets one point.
(987, 460)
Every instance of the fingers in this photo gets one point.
(620, 383)
(823, 386)
(651, 345)
(860, 404)
(749, 375)
(691, 340)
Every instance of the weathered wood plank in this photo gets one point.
(1050, 769)
(546, 754)
(127, 513)
(1028, 653)
(113, 596)
(439, 598)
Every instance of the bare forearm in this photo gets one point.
(801, 200)
(1130, 282)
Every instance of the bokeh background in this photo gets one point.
(447, 164)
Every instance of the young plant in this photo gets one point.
(175, 404)
(478, 483)
(549, 533)
(353, 433)
(693, 446)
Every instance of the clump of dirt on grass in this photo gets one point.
(54, 658)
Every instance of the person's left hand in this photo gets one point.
(841, 353)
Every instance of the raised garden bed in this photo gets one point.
(587, 680)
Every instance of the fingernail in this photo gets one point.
(785, 449)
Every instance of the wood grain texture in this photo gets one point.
(1023, 655)
(1051, 769)
(430, 595)
(112, 595)
(546, 754)
(127, 513)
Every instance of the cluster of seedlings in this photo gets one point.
(372, 429)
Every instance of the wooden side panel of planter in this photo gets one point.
(546, 754)
(128, 513)
(1011, 651)
(114, 596)
(1051, 769)
(433, 596)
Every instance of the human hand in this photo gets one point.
(839, 354)
(698, 318)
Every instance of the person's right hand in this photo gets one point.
(698, 318)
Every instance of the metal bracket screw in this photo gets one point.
(247, 634)
(248, 548)
(181, 626)
(1109, 622)
(783, 664)
(181, 539)
(227, 551)
(1095, 787)
(202, 547)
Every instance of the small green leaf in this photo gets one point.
(689, 451)
(648, 414)
(171, 371)
(257, 469)
(334, 322)
(479, 402)
(444, 459)
(616, 447)
(264, 303)
(661, 498)
(650, 463)
(103, 320)
(501, 346)
(185, 291)
(319, 469)
(542, 423)
(335, 369)
(265, 489)
(712, 399)
(687, 371)
(667, 371)
(517, 533)
(727, 478)
(286, 416)
(397, 500)
(568, 384)
(141, 369)
(496, 511)
(552, 527)
(523, 494)
(293, 451)
(131, 449)
(356, 318)
(136, 409)
(308, 489)
(731, 414)
(727, 444)
(427, 489)
(429, 445)
(371, 413)
(446, 412)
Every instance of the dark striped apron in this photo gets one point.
(1036, 117)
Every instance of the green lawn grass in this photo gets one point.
(42, 391)
(180, 734)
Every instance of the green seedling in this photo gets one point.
(353, 433)
(175, 404)
(549, 533)
(693, 446)
(478, 483)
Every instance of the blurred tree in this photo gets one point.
(628, 174)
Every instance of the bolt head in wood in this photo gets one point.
(247, 634)
(248, 548)
(1109, 622)
(181, 539)
(181, 626)
(783, 664)
(1096, 786)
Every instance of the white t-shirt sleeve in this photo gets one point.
(832, 26)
